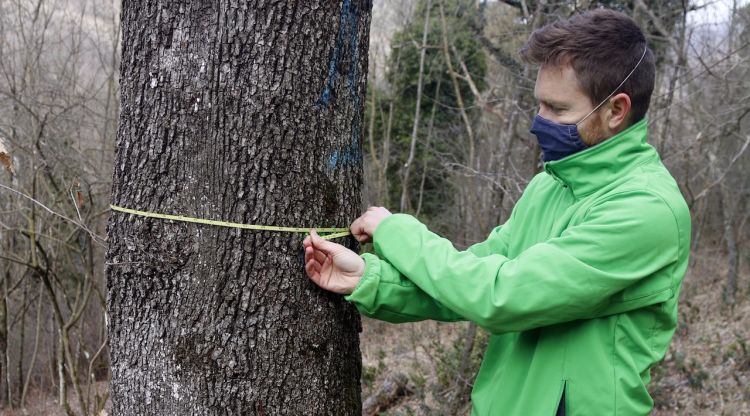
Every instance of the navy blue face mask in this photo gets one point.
(561, 140)
(556, 140)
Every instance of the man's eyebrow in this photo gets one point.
(552, 103)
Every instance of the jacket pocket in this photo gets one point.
(657, 282)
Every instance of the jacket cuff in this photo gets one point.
(366, 291)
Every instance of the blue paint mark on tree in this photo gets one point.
(333, 160)
(351, 154)
(354, 66)
(348, 25)
(348, 20)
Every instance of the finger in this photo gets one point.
(309, 270)
(357, 230)
(306, 242)
(359, 234)
(362, 238)
(326, 271)
(313, 266)
(354, 227)
(319, 256)
(309, 254)
(316, 257)
(326, 246)
(313, 272)
(317, 267)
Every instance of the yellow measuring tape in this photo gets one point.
(336, 232)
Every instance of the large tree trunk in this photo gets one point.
(245, 112)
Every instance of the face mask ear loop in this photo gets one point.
(618, 87)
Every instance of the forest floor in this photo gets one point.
(41, 403)
(705, 372)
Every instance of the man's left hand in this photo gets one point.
(364, 227)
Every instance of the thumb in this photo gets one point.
(323, 244)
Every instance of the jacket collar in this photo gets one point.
(595, 167)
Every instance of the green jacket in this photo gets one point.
(578, 289)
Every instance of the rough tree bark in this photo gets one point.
(245, 112)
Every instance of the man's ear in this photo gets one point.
(619, 108)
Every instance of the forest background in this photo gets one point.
(446, 139)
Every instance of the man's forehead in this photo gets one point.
(556, 82)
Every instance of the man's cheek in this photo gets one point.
(593, 133)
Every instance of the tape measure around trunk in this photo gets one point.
(334, 232)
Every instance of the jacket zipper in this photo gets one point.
(561, 403)
(552, 173)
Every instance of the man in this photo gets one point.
(579, 287)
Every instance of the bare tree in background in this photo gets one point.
(57, 60)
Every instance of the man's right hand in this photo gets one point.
(332, 266)
(363, 228)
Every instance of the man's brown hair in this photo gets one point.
(602, 46)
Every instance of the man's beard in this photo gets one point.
(593, 132)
